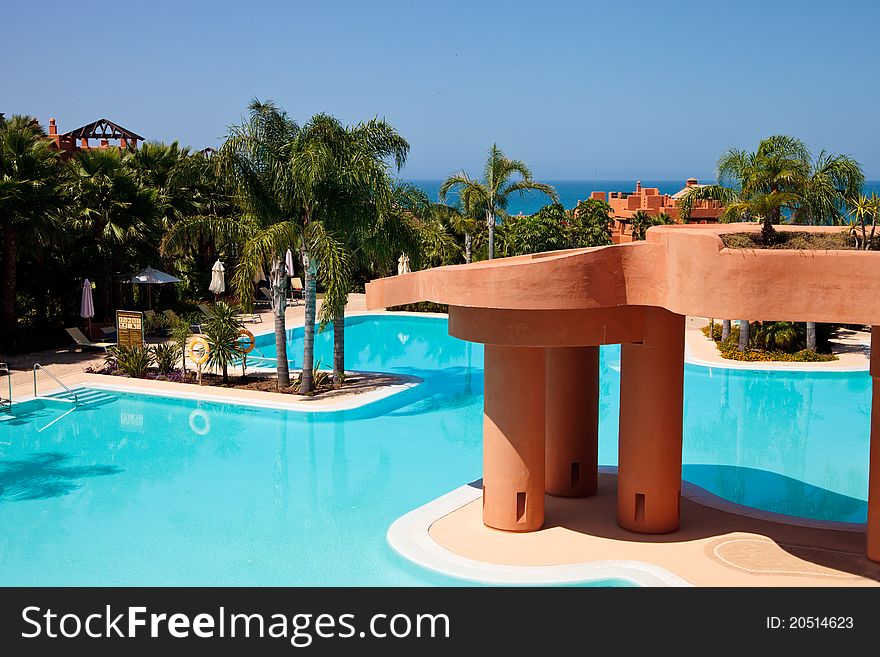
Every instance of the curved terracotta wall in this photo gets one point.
(685, 269)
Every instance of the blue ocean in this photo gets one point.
(572, 191)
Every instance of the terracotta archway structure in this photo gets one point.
(543, 317)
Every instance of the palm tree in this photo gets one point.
(832, 179)
(492, 193)
(864, 208)
(222, 333)
(118, 215)
(279, 175)
(30, 196)
(358, 206)
(766, 183)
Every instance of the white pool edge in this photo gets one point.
(410, 537)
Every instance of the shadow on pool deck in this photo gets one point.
(712, 548)
(43, 476)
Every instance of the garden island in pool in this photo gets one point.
(131, 488)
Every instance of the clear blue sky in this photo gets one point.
(577, 89)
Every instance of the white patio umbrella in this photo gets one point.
(87, 305)
(403, 264)
(150, 277)
(288, 262)
(218, 279)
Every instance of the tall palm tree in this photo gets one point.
(833, 178)
(765, 184)
(30, 196)
(278, 172)
(362, 210)
(493, 192)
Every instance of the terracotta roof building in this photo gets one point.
(649, 199)
(102, 131)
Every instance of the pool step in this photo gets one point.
(84, 397)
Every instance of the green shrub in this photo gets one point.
(166, 355)
(769, 341)
(222, 331)
(421, 307)
(131, 361)
(839, 241)
(155, 324)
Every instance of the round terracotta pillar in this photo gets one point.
(873, 530)
(651, 398)
(572, 421)
(513, 438)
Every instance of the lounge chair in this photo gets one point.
(253, 318)
(81, 341)
(174, 318)
(297, 293)
(267, 294)
(206, 310)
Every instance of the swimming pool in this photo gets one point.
(148, 490)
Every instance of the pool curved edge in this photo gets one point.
(409, 536)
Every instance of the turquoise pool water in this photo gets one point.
(146, 490)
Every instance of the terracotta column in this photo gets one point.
(874, 467)
(513, 438)
(572, 424)
(649, 460)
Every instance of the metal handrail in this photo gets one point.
(37, 366)
(5, 368)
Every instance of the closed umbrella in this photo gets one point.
(218, 279)
(87, 305)
(288, 262)
(403, 264)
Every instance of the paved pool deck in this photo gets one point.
(715, 546)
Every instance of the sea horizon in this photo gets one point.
(571, 191)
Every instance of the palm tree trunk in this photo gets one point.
(743, 334)
(725, 330)
(811, 336)
(468, 247)
(279, 307)
(7, 306)
(338, 347)
(490, 222)
(307, 380)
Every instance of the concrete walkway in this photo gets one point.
(852, 348)
(714, 547)
(62, 362)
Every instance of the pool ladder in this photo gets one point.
(71, 395)
(6, 403)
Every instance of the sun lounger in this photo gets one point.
(267, 295)
(253, 318)
(297, 293)
(206, 310)
(81, 341)
(174, 318)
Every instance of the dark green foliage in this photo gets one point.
(546, 230)
(590, 224)
(222, 333)
(422, 307)
(166, 356)
(131, 361)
